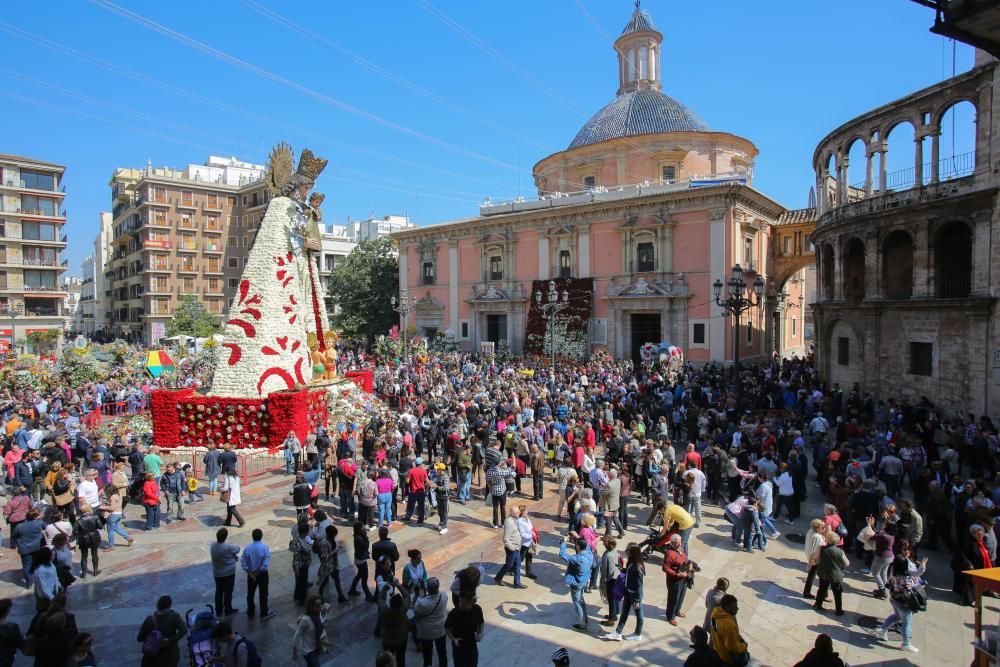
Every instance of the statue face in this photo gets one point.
(302, 190)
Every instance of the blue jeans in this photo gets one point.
(464, 484)
(769, 525)
(685, 536)
(900, 613)
(629, 603)
(114, 526)
(346, 504)
(512, 564)
(384, 508)
(213, 484)
(152, 516)
(694, 509)
(26, 567)
(576, 595)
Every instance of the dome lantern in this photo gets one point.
(638, 49)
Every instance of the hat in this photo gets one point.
(559, 655)
(439, 466)
(420, 460)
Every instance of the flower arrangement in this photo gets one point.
(570, 326)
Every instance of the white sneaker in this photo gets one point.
(632, 638)
(883, 633)
(909, 648)
(613, 636)
(442, 531)
(775, 536)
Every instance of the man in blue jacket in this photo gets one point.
(578, 570)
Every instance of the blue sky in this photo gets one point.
(447, 123)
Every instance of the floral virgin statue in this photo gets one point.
(278, 307)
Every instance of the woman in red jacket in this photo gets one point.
(151, 501)
(675, 564)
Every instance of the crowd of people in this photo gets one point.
(617, 443)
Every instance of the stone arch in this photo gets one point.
(853, 271)
(957, 138)
(856, 155)
(900, 155)
(897, 265)
(827, 266)
(953, 260)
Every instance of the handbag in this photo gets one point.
(916, 599)
(224, 496)
(618, 587)
(741, 659)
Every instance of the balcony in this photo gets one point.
(34, 213)
(157, 244)
(10, 236)
(213, 248)
(160, 224)
(216, 228)
(18, 184)
(187, 268)
(159, 267)
(208, 208)
(187, 246)
(33, 263)
(187, 204)
(192, 225)
(214, 270)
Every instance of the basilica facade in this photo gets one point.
(634, 222)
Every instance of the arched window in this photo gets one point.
(854, 270)
(953, 261)
(897, 265)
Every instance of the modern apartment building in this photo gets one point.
(373, 228)
(337, 245)
(71, 304)
(84, 320)
(177, 232)
(31, 239)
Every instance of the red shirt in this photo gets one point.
(416, 479)
(694, 458)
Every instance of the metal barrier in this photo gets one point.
(124, 408)
(249, 466)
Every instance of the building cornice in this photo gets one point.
(670, 203)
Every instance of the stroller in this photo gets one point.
(656, 542)
(201, 648)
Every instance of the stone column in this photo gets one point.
(453, 280)
(922, 287)
(918, 162)
(869, 174)
(838, 273)
(583, 252)
(882, 167)
(935, 156)
(842, 185)
(981, 256)
(873, 278)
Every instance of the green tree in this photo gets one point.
(362, 286)
(190, 319)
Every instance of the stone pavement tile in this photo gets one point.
(523, 626)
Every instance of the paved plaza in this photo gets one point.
(522, 626)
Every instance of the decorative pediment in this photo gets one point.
(428, 302)
(560, 231)
(640, 219)
(671, 286)
(427, 249)
(498, 236)
(488, 293)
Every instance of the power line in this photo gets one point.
(293, 85)
(181, 92)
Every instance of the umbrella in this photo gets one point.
(158, 362)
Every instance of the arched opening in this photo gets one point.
(857, 158)
(827, 261)
(854, 270)
(900, 157)
(957, 141)
(953, 261)
(897, 265)
(830, 183)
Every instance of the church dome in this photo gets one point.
(642, 111)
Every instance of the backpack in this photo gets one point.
(253, 658)
(154, 641)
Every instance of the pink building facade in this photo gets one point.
(636, 220)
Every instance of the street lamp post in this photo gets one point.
(12, 312)
(739, 300)
(403, 308)
(550, 307)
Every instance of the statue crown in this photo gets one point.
(310, 166)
